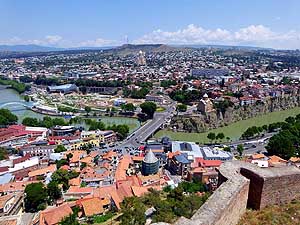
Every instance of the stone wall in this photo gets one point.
(246, 185)
(272, 186)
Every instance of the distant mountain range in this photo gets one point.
(27, 48)
(39, 48)
(127, 48)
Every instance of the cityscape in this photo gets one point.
(163, 126)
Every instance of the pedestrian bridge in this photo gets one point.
(25, 104)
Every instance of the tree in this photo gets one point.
(240, 149)
(54, 191)
(282, 145)
(6, 117)
(3, 153)
(61, 176)
(82, 165)
(220, 136)
(87, 109)
(211, 136)
(227, 149)
(60, 148)
(29, 121)
(69, 156)
(129, 107)
(35, 197)
(133, 212)
(60, 163)
(148, 108)
(69, 220)
(181, 107)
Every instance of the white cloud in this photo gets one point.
(96, 43)
(256, 35)
(253, 35)
(49, 40)
(53, 39)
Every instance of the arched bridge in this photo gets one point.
(25, 104)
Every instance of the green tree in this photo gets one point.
(60, 163)
(211, 136)
(26, 98)
(32, 122)
(133, 212)
(61, 176)
(181, 107)
(3, 153)
(7, 118)
(240, 149)
(60, 148)
(54, 191)
(129, 107)
(69, 220)
(87, 109)
(282, 145)
(82, 165)
(35, 197)
(220, 136)
(227, 149)
(148, 108)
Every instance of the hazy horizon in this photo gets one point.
(78, 23)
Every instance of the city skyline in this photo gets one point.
(96, 24)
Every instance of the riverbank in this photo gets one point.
(234, 130)
(17, 86)
(10, 95)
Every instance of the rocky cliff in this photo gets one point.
(202, 123)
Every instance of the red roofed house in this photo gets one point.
(53, 216)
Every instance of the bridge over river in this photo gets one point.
(25, 104)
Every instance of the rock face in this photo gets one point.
(215, 119)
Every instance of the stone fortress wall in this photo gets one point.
(243, 185)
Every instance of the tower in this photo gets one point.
(150, 164)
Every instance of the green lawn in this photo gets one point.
(234, 130)
(160, 109)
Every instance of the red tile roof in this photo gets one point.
(53, 216)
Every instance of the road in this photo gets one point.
(259, 144)
(148, 129)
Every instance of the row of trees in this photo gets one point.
(45, 122)
(18, 86)
(255, 131)
(122, 129)
(215, 137)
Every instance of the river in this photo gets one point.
(10, 95)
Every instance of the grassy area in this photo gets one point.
(102, 218)
(287, 214)
(160, 109)
(234, 130)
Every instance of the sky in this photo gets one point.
(96, 23)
